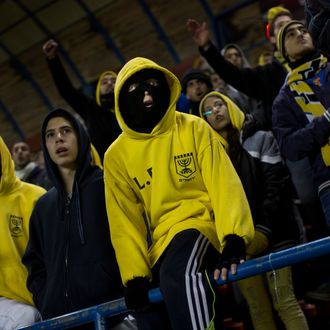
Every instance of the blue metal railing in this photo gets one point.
(99, 314)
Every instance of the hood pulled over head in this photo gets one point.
(245, 62)
(145, 97)
(84, 154)
(8, 179)
(236, 116)
(105, 101)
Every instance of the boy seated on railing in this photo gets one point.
(69, 257)
(171, 167)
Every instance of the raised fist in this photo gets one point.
(50, 48)
(199, 32)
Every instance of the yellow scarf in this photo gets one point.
(305, 96)
(282, 60)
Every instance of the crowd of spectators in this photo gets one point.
(159, 182)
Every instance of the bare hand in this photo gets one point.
(199, 32)
(224, 271)
(50, 48)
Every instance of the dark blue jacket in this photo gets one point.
(297, 135)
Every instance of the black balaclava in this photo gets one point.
(135, 113)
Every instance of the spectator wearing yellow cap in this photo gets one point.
(276, 18)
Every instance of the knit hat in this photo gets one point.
(272, 14)
(281, 37)
(194, 74)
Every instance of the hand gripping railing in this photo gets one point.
(98, 314)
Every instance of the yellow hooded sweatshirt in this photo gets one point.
(236, 116)
(177, 177)
(17, 200)
(98, 85)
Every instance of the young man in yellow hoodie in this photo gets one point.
(168, 178)
(17, 200)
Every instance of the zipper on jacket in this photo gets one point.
(76, 205)
(67, 232)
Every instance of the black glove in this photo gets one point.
(232, 253)
(136, 293)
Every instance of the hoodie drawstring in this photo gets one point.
(78, 213)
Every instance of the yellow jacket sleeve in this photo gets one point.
(127, 225)
(231, 210)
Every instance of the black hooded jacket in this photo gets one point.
(101, 122)
(69, 257)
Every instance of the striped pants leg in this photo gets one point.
(188, 296)
(187, 292)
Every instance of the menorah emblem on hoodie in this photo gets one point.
(185, 164)
(16, 225)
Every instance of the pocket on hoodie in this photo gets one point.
(105, 282)
(95, 283)
(51, 298)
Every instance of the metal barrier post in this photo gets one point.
(100, 322)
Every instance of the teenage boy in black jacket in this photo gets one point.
(69, 257)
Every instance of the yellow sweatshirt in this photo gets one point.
(178, 176)
(17, 200)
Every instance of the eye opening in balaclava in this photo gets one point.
(144, 99)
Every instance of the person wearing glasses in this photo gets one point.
(265, 181)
